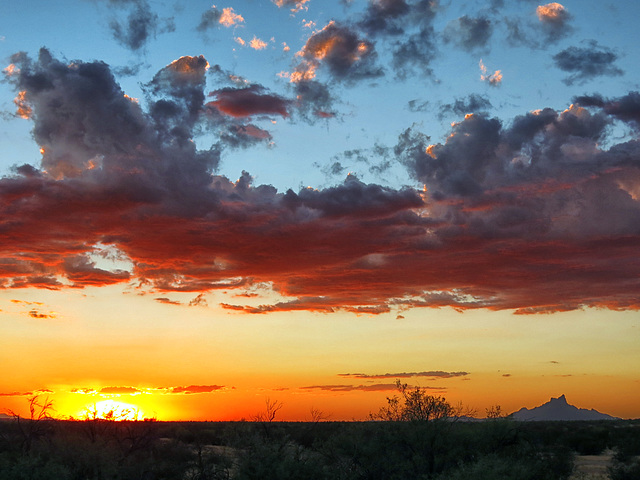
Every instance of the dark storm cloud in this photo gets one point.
(585, 63)
(534, 214)
(473, 103)
(469, 33)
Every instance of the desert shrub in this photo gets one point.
(588, 440)
(627, 468)
(280, 459)
(32, 467)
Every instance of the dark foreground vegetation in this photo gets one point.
(441, 448)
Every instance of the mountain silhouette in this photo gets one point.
(558, 409)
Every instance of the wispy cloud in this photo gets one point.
(585, 63)
(428, 374)
(378, 387)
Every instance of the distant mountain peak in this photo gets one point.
(559, 409)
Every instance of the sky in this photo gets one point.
(205, 208)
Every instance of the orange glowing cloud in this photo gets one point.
(493, 79)
(297, 5)
(257, 44)
(229, 17)
(340, 49)
(551, 12)
(11, 70)
(187, 66)
(23, 110)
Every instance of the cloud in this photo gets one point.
(209, 19)
(406, 27)
(429, 374)
(585, 63)
(625, 108)
(536, 214)
(119, 390)
(313, 100)
(244, 102)
(194, 389)
(26, 394)
(296, 5)
(378, 387)
(346, 56)
(494, 79)
(140, 25)
(469, 33)
(416, 105)
(198, 301)
(351, 388)
(228, 18)
(84, 391)
(257, 44)
(554, 17)
(551, 24)
(167, 301)
(34, 313)
(473, 103)
(385, 17)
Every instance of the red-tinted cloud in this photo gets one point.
(193, 389)
(119, 390)
(533, 215)
(244, 102)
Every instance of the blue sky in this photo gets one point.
(369, 111)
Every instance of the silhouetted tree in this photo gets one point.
(414, 404)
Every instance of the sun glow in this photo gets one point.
(111, 410)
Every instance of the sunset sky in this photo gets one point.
(204, 207)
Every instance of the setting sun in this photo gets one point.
(111, 410)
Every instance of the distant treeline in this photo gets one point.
(392, 445)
